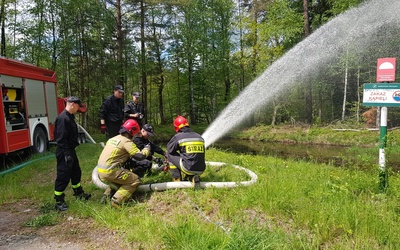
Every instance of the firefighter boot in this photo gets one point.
(115, 203)
(175, 173)
(195, 180)
(60, 203)
(103, 199)
(107, 195)
(80, 194)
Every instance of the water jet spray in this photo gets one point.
(355, 29)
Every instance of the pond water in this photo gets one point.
(340, 156)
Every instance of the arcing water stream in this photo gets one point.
(358, 29)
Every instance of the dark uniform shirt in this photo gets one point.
(141, 142)
(112, 109)
(133, 108)
(66, 132)
(190, 146)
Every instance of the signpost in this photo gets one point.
(383, 94)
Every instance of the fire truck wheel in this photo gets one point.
(39, 141)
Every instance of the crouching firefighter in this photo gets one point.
(118, 149)
(186, 153)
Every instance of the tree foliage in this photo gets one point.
(187, 57)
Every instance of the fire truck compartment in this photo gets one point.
(17, 139)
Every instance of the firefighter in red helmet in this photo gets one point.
(186, 153)
(118, 149)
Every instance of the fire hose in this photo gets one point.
(185, 184)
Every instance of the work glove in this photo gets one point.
(146, 150)
(166, 167)
(103, 128)
(68, 160)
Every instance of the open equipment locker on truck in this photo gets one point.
(29, 106)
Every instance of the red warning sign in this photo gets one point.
(386, 70)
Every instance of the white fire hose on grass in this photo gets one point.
(185, 184)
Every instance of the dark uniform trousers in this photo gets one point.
(66, 172)
(112, 129)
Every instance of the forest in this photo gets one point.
(191, 57)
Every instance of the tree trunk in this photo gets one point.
(191, 86)
(275, 112)
(143, 57)
(54, 41)
(358, 96)
(3, 29)
(308, 92)
(254, 46)
(242, 78)
(345, 90)
(159, 70)
(120, 44)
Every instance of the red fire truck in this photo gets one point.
(29, 106)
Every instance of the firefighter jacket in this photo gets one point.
(117, 151)
(140, 142)
(111, 109)
(133, 108)
(66, 132)
(190, 146)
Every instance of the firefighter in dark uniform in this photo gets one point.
(68, 169)
(135, 109)
(186, 153)
(143, 167)
(112, 113)
(112, 159)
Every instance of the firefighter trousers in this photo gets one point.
(178, 170)
(124, 179)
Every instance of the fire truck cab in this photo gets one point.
(28, 108)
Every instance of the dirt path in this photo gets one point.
(70, 234)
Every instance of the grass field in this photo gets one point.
(293, 205)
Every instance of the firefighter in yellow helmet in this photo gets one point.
(116, 152)
(186, 153)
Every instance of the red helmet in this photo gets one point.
(180, 122)
(131, 126)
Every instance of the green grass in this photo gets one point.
(314, 135)
(293, 205)
(48, 217)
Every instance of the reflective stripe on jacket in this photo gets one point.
(117, 151)
(190, 146)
